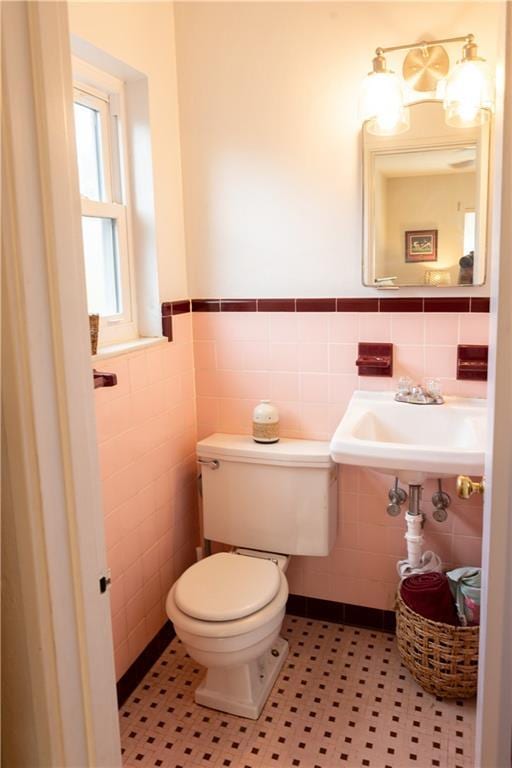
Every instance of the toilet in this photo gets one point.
(267, 503)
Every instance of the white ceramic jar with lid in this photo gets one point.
(265, 423)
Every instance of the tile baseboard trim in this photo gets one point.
(143, 663)
(297, 605)
(428, 304)
(341, 613)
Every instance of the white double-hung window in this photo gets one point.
(102, 171)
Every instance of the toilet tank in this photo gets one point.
(280, 497)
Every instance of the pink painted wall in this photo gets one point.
(304, 362)
(147, 434)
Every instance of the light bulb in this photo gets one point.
(468, 99)
(382, 104)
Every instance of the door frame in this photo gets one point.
(53, 464)
(48, 407)
(494, 702)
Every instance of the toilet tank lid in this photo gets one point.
(305, 453)
(227, 586)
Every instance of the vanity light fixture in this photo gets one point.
(468, 98)
(467, 90)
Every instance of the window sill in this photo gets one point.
(126, 347)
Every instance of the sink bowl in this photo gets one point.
(413, 442)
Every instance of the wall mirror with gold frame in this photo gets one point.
(425, 200)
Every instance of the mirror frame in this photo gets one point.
(385, 145)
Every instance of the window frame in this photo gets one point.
(474, 228)
(104, 93)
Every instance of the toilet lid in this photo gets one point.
(227, 586)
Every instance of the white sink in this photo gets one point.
(412, 441)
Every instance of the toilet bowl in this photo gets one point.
(228, 610)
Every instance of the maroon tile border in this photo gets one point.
(441, 304)
(238, 305)
(315, 305)
(180, 307)
(297, 605)
(143, 663)
(205, 305)
(341, 613)
(167, 327)
(401, 305)
(357, 305)
(169, 310)
(348, 304)
(167, 320)
(480, 304)
(276, 305)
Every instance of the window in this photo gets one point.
(102, 167)
(469, 232)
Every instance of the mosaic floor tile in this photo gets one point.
(342, 699)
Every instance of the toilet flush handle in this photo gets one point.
(213, 463)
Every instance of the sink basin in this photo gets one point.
(413, 442)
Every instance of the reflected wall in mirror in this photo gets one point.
(425, 203)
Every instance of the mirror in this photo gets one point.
(425, 203)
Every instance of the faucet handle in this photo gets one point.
(404, 385)
(433, 387)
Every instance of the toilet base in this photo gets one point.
(243, 690)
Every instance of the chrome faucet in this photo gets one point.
(416, 394)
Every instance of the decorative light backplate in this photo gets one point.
(424, 66)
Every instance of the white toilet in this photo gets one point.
(268, 502)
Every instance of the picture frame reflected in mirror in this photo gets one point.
(421, 245)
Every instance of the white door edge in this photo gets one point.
(52, 379)
(494, 701)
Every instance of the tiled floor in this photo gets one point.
(342, 699)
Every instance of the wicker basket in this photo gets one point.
(94, 322)
(442, 658)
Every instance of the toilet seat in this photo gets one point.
(226, 587)
(228, 634)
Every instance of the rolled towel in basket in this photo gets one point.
(429, 595)
(465, 586)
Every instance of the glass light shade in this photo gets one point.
(382, 104)
(441, 89)
(468, 98)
